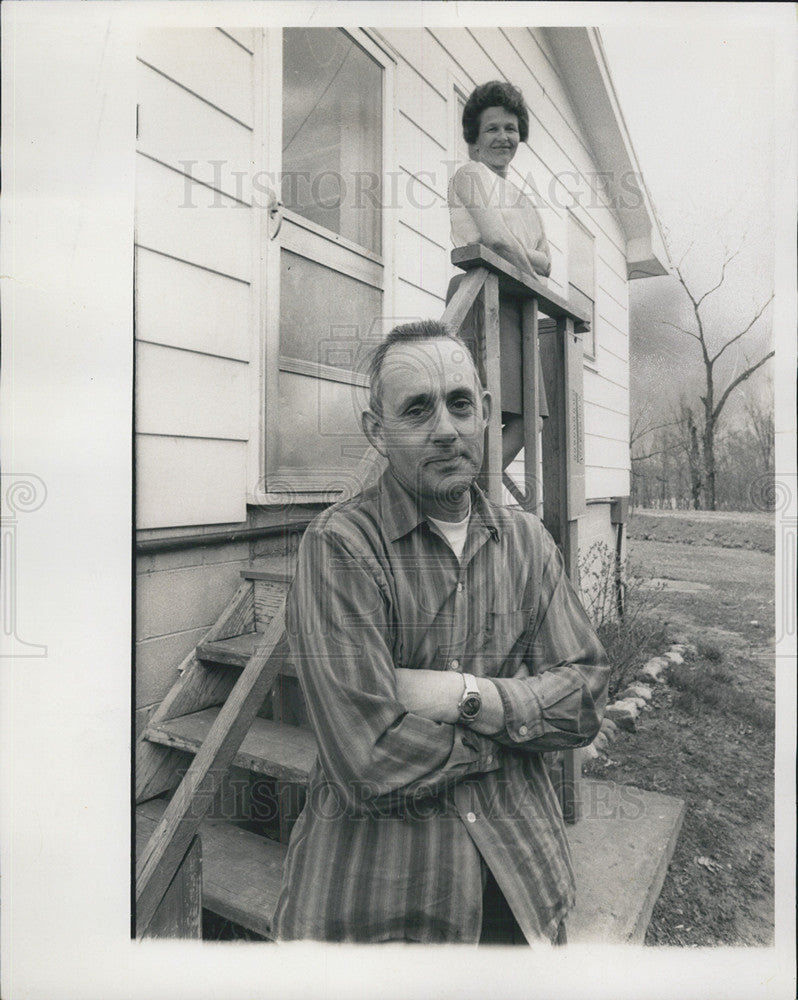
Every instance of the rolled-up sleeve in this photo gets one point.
(369, 745)
(561, 703)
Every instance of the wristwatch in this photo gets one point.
(471, 701)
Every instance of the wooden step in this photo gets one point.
(237, 650)
(277, 569)
(241, 872)
(272, 748)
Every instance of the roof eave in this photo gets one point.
(585, 73)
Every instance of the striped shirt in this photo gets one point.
(402, 811)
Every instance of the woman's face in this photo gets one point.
(497, 139)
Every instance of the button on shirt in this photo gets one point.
(400, 809)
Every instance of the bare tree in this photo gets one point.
(714, 397)
(693, 453)
(648, 442)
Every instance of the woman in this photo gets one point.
(485, 207)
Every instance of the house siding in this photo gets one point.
(194, 241)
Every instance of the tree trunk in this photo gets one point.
(695, 462)
(709, 463)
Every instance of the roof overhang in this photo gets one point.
(585, 74)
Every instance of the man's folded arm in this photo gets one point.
(561, 703)
(369, 745)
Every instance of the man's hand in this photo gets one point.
(436, 694)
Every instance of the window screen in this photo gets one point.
(332, 133)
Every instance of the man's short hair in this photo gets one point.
(423, 329)
(495, 94)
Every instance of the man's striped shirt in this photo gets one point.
(402, 811)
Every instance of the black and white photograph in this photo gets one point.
(399, 499)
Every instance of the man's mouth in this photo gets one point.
(446, 459)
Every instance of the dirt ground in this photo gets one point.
(708, 736)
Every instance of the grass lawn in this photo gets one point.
(708, 737)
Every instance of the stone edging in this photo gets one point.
(623, 713)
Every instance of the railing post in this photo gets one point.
(564, 481)
(531, 402)
(489, 351)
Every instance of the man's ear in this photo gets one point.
(487, 408)
(372, 428)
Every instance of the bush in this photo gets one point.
(706, 651)
(622, 611)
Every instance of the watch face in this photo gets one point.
(471, 706)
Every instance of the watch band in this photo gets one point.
(471, 701)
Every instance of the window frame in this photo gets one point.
(590, 340)
(345, 257)
(457, 88)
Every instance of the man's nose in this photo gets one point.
(444, 428)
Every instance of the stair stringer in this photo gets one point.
(157, 768)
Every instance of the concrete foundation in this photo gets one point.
(621, 849)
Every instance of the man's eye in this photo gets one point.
(462, 405)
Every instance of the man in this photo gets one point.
(440, 648)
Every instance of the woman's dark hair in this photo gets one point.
(495, 94)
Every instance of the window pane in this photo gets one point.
(332, 133)
(581, 266)
(581, 301)
(326, 317)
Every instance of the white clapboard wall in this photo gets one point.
(194, 268)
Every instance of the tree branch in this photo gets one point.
(737, 336)
(681, 329)
(728, 260)
(686, 252)
(634, 437)
(740, 378)
(683, 283)
(697, 313)
(662, 451)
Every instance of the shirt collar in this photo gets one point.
(400, 513)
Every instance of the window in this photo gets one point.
(331, 273)
(327, 125)
(332, 133)
(582, 277)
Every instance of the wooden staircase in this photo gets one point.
(237, 703)
(226, 710)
